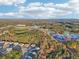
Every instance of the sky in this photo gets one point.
(39, 9)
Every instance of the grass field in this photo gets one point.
(22, 35)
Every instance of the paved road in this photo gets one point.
(42, 54)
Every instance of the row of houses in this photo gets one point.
(65, 36)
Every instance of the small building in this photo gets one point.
(11, 45)
(3, 51)
(17, 48)
(1, 44)
(20, 26)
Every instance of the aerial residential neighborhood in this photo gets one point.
(39, 29)
(37, 41)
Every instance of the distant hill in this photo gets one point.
(39, 20)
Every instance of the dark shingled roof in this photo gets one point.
(17, 48)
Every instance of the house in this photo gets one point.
(3, 51)
(17, 48)
(1, 44)
(20, 26)
(11, 45)
(31, 53)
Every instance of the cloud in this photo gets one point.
(52, 10)
(74, 4)
(42, 10)
(11, 2)
(48, 10)
(8, 14)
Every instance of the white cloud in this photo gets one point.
(74, 4)
(8, 14)
(43, 10)
(40, 10)
(10, 2)
(49, 10)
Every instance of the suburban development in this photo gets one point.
(39, 40)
